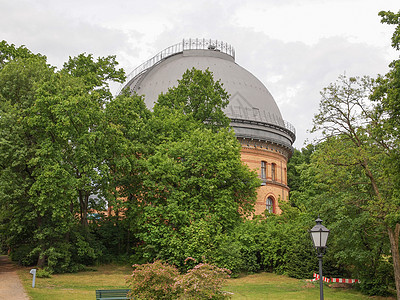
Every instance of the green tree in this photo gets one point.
(354, 158)
(193, 174)
(70, 110)
(302, 185)
(388, 94)
(53, 141)
(127, 118)
(19, 145)
(199, 95)
(10, 52)
(199, 179)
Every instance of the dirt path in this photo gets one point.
(10, 286)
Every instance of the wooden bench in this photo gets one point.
(112, 294)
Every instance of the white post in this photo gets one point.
(33, 272)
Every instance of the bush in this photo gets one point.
(377, 282)
(43, 273)
(159, 280)
(153, 281)
(229, 254)
(204, 281)
(23, 255)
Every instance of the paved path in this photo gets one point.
(10, 285)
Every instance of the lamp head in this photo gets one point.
(319, 234)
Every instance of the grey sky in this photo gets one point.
(294, 47)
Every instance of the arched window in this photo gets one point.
(263, 169)
(273, 172)
(270, 205)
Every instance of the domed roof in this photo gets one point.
(250, 101)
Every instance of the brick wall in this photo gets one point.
(275, 158)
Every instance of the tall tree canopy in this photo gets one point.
(52, 151)
(362, 144)
(199, 95)
(196, 187)
(171, 180)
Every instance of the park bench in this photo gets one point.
(112, 294)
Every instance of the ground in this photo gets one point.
(11, 286)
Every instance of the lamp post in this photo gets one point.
(319, 235)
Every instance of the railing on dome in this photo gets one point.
(257, 115)
(186, 44)
(208, 44)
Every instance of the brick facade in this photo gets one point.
(273, 186)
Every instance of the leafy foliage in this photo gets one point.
(204, 281)
(354, 162)
(172, 179)
(159, 280)
(52, 152)
(200, 96)
(10, 53)
(191, 184)
(153, 281)
(173, 183)
(196, 188)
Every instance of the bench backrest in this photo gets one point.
(112, 294)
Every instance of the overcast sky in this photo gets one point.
(294, 47)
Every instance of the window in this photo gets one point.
(270, 205)
(285, 178)
(273, 172)
(263, 169)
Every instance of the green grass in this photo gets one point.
(82, 286)
(76, 286)
(270, 286)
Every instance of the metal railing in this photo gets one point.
(186, 44)
(255, 114)
(208, 44)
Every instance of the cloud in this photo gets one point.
(56, 35)
(295, 73)
(294, 47)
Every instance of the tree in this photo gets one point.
(19, 145)
(199, 95)
(53, 141)
(71, 110)
(388, 94)
(196, 188)
(194, 183)
(10, 52)
(127, 118)
(301, 185)
(356, 158)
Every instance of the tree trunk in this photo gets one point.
(128, 241)
(394, 246)
(83, 205)
(41, 261)
(42, 258)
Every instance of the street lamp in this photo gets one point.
(319, 235)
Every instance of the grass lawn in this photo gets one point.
(75, 286)
(81, 286)
(270, 286)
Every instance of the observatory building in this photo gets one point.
(265, 137)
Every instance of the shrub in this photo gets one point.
(153, 281)
(229, 254)
(43, 273)
(378, 281)
(159, 280)
(23, 255)
(204, 281)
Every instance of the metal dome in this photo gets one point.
(253, 111)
